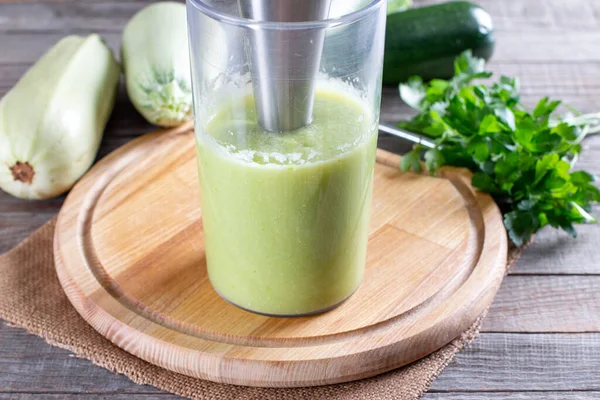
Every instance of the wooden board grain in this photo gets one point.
(137, 273)
(111, 15)
(75, 17)
(572, 80)
(517, 44)
(532, 395)
(30, 365)
(525, 362)
(546, 304)
(16, 226)
(555, 252)
(582, 395)
(87, 396)
(495, 362)
(537, 79)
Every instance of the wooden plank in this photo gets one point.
(76, 1)
(590, 157)
(112, 16)
(551, 79)
(87, 396)
(520, 44)
(555, 252)
(579, 395)
(546, 304)
(17, 226)
(30, 365)
(12, 204)
(525, 362)
(493, 362)
(538, 79)
(543, 14)
(75, 17)
(26, 48)
(10, 74)
(533, 395)
(513, 45)
(539, 14)
(125, 121)
(547, 45)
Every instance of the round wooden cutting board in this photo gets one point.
(129, 253)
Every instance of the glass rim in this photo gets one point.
(245, 22)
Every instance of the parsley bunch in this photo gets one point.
(523, 159)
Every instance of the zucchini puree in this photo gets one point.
(286, 214)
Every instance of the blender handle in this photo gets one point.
(406, 135)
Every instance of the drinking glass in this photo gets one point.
(286, 213)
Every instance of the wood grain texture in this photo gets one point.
(546, 304)
(524, 44)
(65, 17)
(137, 274)
(583, 395)
(560, 76)
(538, 14)
(112, 15)
(525, 362)
(533, 395)
(536, 363)
(16, 226)
(30, 365)
(555, 252)
(537, 79)
(87, 396)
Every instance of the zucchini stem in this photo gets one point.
(23, 172)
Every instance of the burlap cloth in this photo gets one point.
(31, 297)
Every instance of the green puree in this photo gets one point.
(286, 214)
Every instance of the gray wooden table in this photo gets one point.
(541, 339)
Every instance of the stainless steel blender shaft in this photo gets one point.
(284, 62)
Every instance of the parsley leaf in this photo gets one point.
(523, 159)
(412, 160)
(413, 92)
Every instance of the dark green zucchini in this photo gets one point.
(425, 41)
